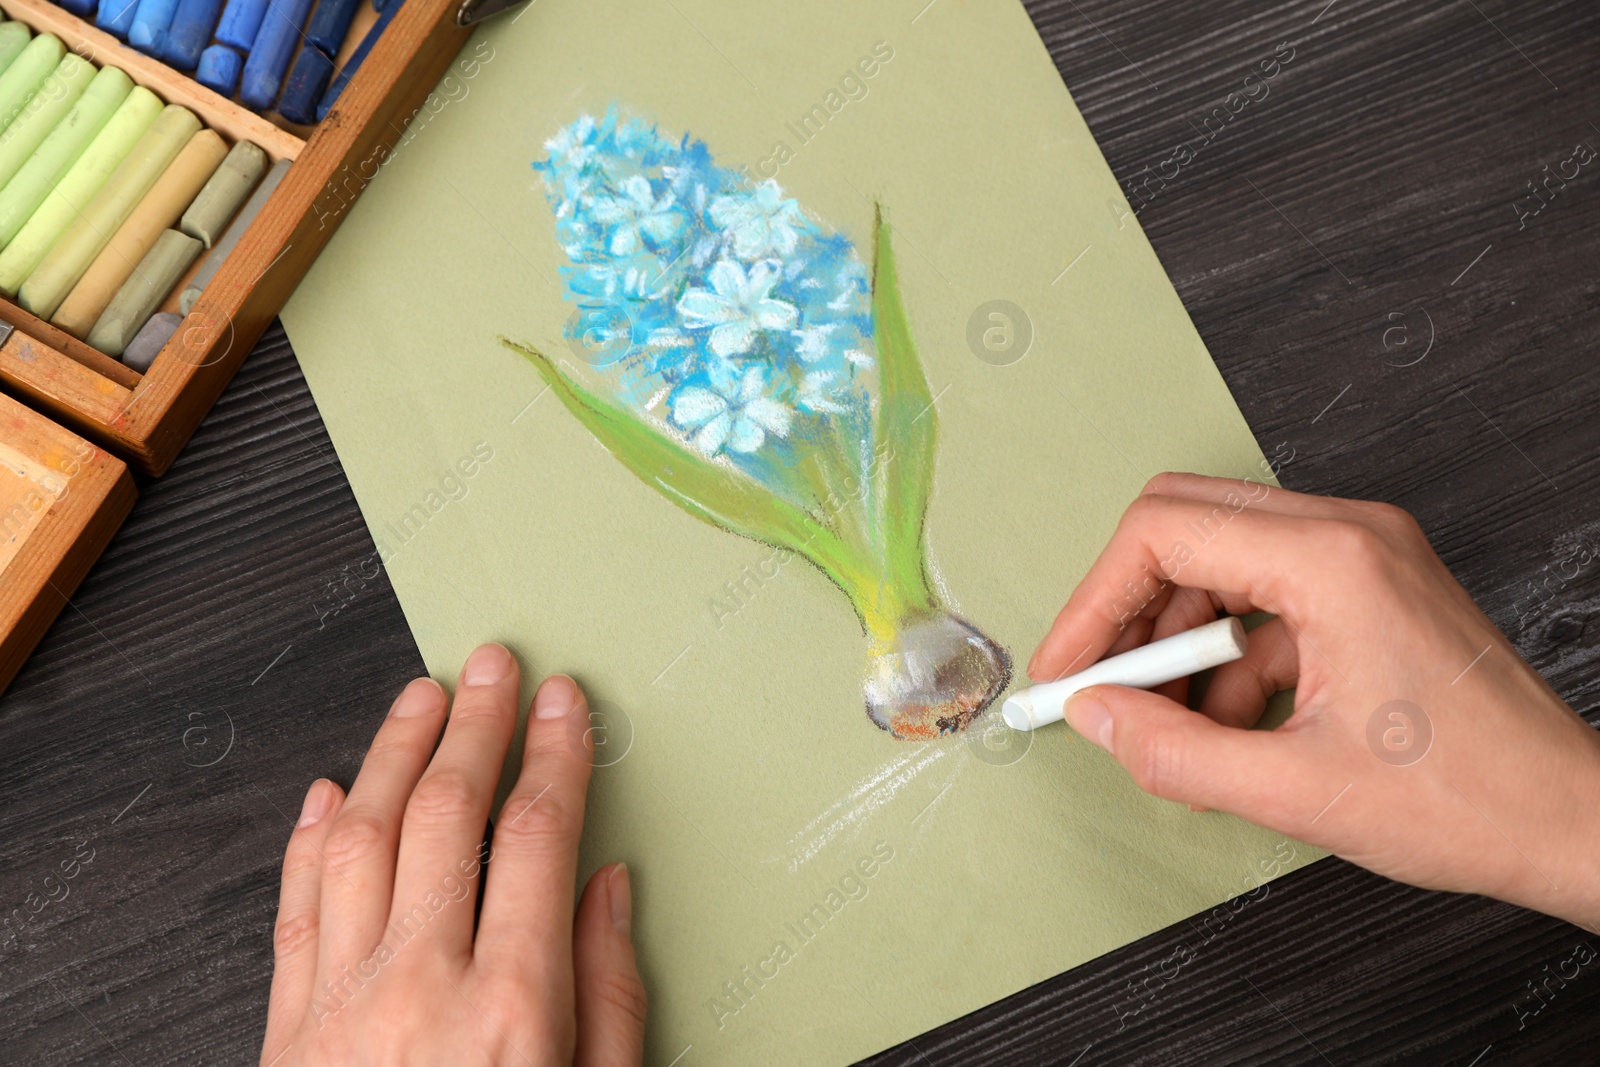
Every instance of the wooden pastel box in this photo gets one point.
(146, 418)
(61, 499)
(74, 420)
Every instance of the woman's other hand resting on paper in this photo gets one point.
(380, 955)
(1421, 745)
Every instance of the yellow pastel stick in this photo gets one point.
(158, 211)
(43, 113)
(77, 246)
(79, 185)
(26, 73)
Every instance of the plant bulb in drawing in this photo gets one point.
(745, 363)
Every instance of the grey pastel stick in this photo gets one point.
(150, 340)
(224, 192)
(230, 236)
(143, 292)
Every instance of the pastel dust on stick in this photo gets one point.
(386, 14)
(306, 85)
(190, 33)
(329, 25)
(313, 71)
(219, 69)
(241, 20)
(268, 60)
(748, 366)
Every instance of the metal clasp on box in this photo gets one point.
(473, 11)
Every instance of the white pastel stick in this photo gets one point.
(1154, 664)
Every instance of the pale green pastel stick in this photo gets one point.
(13, 39)
(26, 73)
(143, 292)
(72, 253)
(82, 181)
(23, 194)
(77, 190)
(43, 113)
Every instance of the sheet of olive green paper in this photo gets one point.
(753, 782)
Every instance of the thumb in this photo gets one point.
(610, 996)
(1182, 755)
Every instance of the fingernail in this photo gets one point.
(1090, 718)
(422, 696)
(319, 798)
(621, 894)
(555, 698)
(487, 665)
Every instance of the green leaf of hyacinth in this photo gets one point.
(906, 422)
(705, 489)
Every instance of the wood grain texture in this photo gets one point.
(75, 498)
(53, 381)
(1393, 145)
(200, 623)
(65, 344)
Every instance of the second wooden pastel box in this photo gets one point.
(78, 286)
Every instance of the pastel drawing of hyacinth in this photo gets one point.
(750, 368)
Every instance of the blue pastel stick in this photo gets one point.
(269, 59)
(81, 8)
(308, 80)
(150, 22)
(190, 32)
(380, 6)
(343, 77)
(329, 24)
(241, 21)
(116, 17)
(219, 69)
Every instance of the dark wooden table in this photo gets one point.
(1351, 248)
